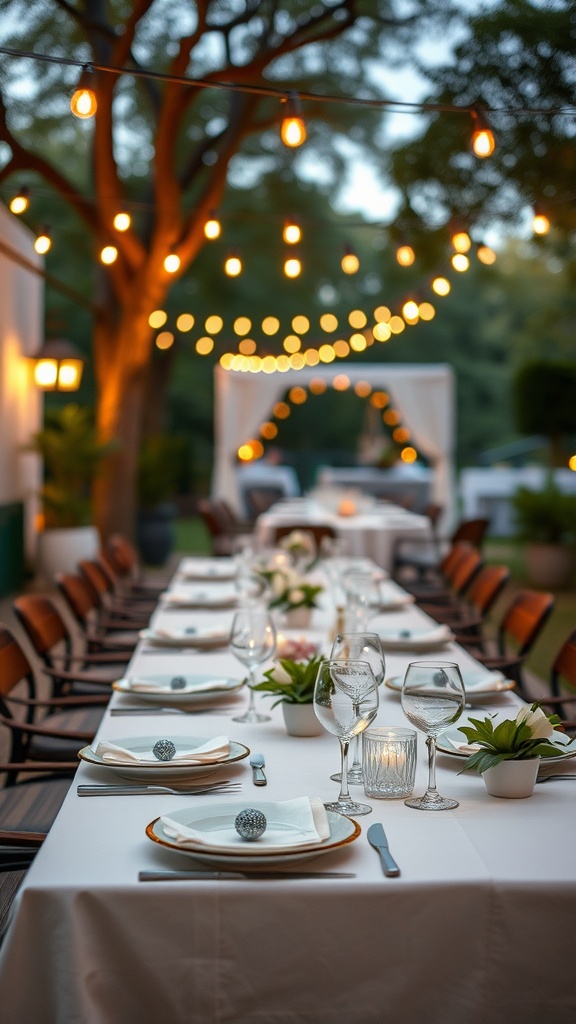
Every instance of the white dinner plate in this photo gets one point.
(500, 686)
(207, 572)
(449, 741)
(164, 771)
(190, 637)
(198, 599)
(342, 831)
(198, 689)
(394, 600)
(416, 640)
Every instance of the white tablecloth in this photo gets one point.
(373, 533)
(478, 928)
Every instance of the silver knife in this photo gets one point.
(377, 839)
(186, 876)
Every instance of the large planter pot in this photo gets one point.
(512, 779)
(155, 533)
(60, 550)
(298, 618)
(549, 565)
(300, 720)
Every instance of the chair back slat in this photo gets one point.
(42, 623)
(487, 586)
(525, 618)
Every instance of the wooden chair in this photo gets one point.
(564, 671)
(440, 586)
(73, 671)
(122, 557)
(223, 527)
(422, 559)
(517, 632)
(260, 498)
(101, 632)
(116, 607)
(469, 612)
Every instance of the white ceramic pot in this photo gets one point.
(300, 720)
(298, 618)
(60, 550)
(512, 779)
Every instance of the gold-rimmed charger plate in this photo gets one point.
(165, 695)
(164, 771)
(343, 831)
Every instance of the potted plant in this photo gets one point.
(72, 455)
(508, 754)
(546, 522)
(160, 465)
(292, 595)
(292, 683)
(301, 547)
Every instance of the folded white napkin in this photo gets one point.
(413, 639)
(291, 823)
(463, 748)
(392, 597)
(192, 686)
(208, 598)
(199, 636)
(485, 683)
(210, 752)
(207, 571)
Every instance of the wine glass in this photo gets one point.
(252, 641)
(359, 647)
(345, 702)
(362, 598)
(432, 699)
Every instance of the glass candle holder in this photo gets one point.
(389, 762)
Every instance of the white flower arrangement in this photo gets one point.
(288, 589)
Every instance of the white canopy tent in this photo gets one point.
(422, 393)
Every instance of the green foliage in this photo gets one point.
(516, 739)
(73, 455)
(162, 468)
(292, 683)
(544, 401)
(547, 516)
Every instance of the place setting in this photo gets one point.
(204, 638)
(182, 691)
(159, 759)
(215, 597)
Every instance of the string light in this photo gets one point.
(122, 221)
(164, 340)
(172, 263)
(441, 286)
(483, 141)
(350, 263)
(460, 262)
(83, 103)
(212, 227)
(292, 128)
(540, 223)
(405, 255)
(108, 255)
(21, 201)
(43, 242)
(292, 267)
(486, 255)
(157, 319)
(461, 240)
(411, 312)
(233, 266)
(185, 322)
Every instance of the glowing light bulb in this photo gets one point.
(405, 255)
(483, 141)
(122, 221)
(460, 262)
(292, 129)
(43, 242)
(172, 263)
(292, 267)
(291, 233)
(212, 227)
(109, 254)
(541, 223)
(21, 201)
(233, 266)
(350, 263)
(441, 285)
(83, 103)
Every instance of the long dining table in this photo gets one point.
(478, 926)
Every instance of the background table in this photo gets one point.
(477, 928)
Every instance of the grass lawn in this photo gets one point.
(192, 538)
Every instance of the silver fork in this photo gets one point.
(138, 790)
(558, 775)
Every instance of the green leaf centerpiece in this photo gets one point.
(530, 734)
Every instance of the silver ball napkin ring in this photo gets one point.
(250, 824)
(164, 750)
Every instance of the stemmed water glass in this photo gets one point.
(252, 641)
(432, 699)
(362, 592)
(345, 702)
(359, 647)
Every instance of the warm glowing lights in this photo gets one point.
(268, 430)
(396, 324)
(164, 340)
(204, 346)
(292, 128)
(268, 365)
(460, 262)
(212, 227)
(401, 435)
(341, 348)
(247, 347)
(158, 318)
(185, 322)
(483, 141)
(441, 285)
(270, 325)
(572, 463)
(83, 103)
(242, 325)
(317, 386)
(358, 342)
(362, 388)
(341, 382)
(405, 255)
(122, 221)
(233, 266)
(382, 313)
(291, 232)
(326, 354)
(426, 311)
(172, 263)
(300, 324)
(409, 454)
(391, 417)
(281, 410)
(328, 322)
(297, 361)
(226, 361)
(380, 399)
(292, 343)
(251, 450)
(357, 319)
(298, 395)
(213, 324)
(411, 312)
(350, 263)
(486, 255)
(46, 373)
(43, 242)
(109, 254)
(292, 267)
(21, 201)
(312, 357)
(540, 223)
(461, 241)
(381, 332)
(58, 367)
